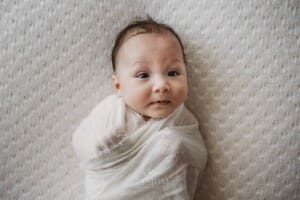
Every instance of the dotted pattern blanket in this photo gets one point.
(244, 77)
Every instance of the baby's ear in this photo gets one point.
(116, 84)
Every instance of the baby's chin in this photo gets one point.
(156, 116)
(147, 115)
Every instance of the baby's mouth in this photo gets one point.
(162, 102)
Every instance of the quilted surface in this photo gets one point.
(244, 69)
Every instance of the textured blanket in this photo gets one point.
(244, 76)
(125, 157)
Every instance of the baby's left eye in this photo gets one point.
(173, 73)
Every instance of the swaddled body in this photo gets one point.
(142, 143)
(125, 157)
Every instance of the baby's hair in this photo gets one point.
(141, 26)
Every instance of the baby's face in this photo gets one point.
(151, 74)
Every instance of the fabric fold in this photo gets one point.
(125, 157)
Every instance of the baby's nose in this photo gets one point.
(161, 85)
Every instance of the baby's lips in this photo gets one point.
(162, 101)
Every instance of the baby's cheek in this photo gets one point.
(182, 92)
(142, 92)
(139, 95)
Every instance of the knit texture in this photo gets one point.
(244, 88)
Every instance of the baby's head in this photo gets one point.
(150, 68)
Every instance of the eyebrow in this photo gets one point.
(176, 60)
(146, 62)
(140, 62)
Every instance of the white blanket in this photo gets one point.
(125, 157)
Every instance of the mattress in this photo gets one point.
(244, 88)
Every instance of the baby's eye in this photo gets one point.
(142, 75)
(173, 73)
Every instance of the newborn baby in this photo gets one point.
(142, 142)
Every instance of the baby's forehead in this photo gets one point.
(131, 39)
(149, 44)
(138, 31)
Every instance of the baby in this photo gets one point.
(143, 143)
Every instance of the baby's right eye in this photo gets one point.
(142, 75)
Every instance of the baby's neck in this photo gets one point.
(146, 118)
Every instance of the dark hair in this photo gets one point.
(141, 26)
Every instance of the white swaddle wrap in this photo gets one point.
(125, 157)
